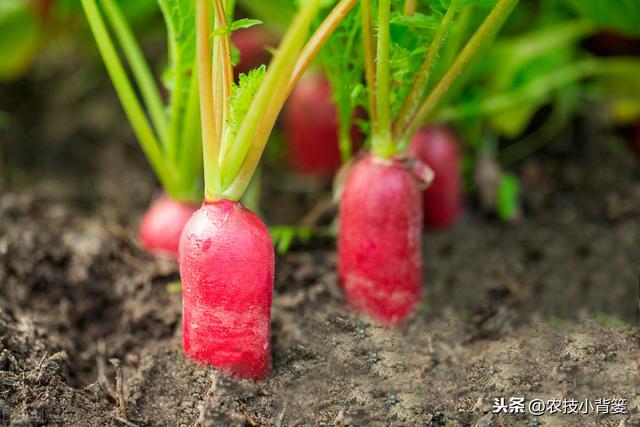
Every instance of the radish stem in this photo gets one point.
(318, 39)
(382, 143)
(488, 28)
(139, 68)
(127, 95)
(419, 86)
(369, 58)
(243, 156)
(409, 7)
(210, 141)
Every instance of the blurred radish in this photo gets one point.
(436, 146)
(162, 225)
(311, 127)
(380, 239)
(252, 44)
(379, 236)
(226, 253)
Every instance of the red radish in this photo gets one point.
(162, 225)
(227, 270)
(311, 124)
(252, 44)
(227, 257)
(436, 146)
(311, 128)
(380, 240)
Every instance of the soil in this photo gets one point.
(90, 325)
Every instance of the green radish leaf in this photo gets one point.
(180, 20)
(618, 15)
(19, 37)
(409, 44)
(274, 12)
(508, 197)
(237, 25)
(284, 236)
(184, 117)
(244, 23)
(342, 60)
(242, 95)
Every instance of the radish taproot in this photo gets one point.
(442, 202)
(227, 269)
(380, 239)
(379, 235)
(162, 225)
(226, 253)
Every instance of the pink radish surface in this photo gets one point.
(443, 200)
(162, 225)
(380, 240)
(311, 127)
(227, 270)
(252, 44)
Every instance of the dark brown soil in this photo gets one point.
(90, 325)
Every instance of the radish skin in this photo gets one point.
(380, 240)
(227, 270)
(311, 128)
(443, 202)
(162, 225)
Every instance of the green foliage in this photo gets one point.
(418, 21)
(284, 236)
(19, 37)
(169, 135)
(410, 38)
(619, 15)
(243, 23)
(273, 12)
(242, 95)
(342, 60)
(524, 59)
(137, 11)
(508, 197)
(237, 25)
(179, 16)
